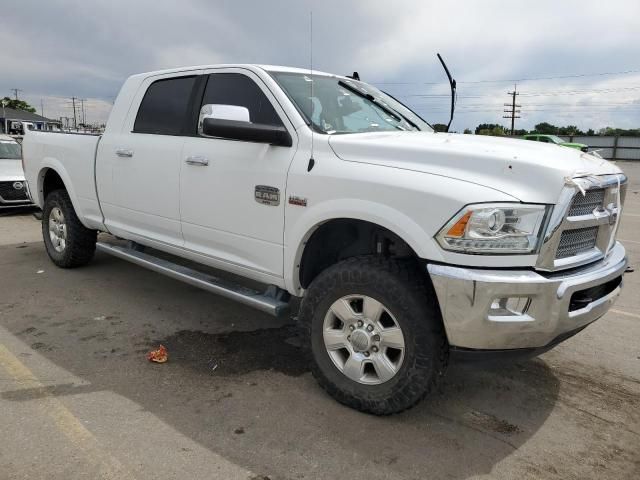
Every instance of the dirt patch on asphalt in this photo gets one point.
(486, 421)
(239, 353)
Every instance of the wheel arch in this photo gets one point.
(54, 177)
(380, 220)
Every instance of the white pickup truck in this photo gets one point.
(405, 245)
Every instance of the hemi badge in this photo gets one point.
(301, 202)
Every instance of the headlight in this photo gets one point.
(494, 228)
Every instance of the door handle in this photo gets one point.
(198, 160)
(123, 152)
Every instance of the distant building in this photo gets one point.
(11, 121)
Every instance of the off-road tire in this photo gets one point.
(80, 241)
(407, 292)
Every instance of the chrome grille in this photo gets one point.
(582, 228)
(587, 203)
(574, 242)
(11, 194)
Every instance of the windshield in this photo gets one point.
(10, 150)
(342, 105)
(555, 139)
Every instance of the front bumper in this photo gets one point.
(469, 297)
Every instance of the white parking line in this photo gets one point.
(628, 241)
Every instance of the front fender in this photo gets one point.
(370, 211)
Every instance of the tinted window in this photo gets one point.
(240, 90)
(164, 106)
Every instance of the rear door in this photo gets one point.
(232, 193)
(139, 169)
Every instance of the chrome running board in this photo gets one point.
(272, 301)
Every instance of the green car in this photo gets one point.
(538, 137)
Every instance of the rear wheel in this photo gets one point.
(68, 243)
(376, 334)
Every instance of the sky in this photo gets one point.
(57, 49)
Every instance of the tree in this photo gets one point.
(570, 130)
(467, 131)
(590, 132)
(631, 132)
(440, 127)
(488, 127)
(492, 129)
(546, 129)
(18, 104)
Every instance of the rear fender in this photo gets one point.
(49, 163)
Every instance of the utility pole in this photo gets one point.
(75, 124)
(512, 112)
(15, 92)
(84, 120)
(4, 117)
(41, 108)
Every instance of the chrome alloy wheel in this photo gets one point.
(363, 339)
(57, 230)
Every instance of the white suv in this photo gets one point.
(13, 188)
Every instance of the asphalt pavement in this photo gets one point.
(78, 399)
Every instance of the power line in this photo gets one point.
(518, 80)
(528, 94)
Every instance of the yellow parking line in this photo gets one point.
(620, 312)
(73, 429)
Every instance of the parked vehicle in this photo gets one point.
(536, 137)
(13, 187)
(20, 128)
(405, 245)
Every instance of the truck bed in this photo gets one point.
(72, 156)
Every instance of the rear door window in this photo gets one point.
(164, 106)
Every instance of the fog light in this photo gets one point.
(510, 306)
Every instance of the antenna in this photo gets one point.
(312, 162)
(452, 84)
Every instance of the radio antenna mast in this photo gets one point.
(312, 162)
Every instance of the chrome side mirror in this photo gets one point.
(222, 112)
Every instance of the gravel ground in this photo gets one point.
(78, 399)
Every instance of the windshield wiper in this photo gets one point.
(389, 111)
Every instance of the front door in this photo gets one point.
(232, 193)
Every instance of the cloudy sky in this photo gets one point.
(57, 49)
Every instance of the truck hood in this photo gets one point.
(10, 170)
(528, 171)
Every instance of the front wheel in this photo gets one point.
(376, 334)
(68, 243)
